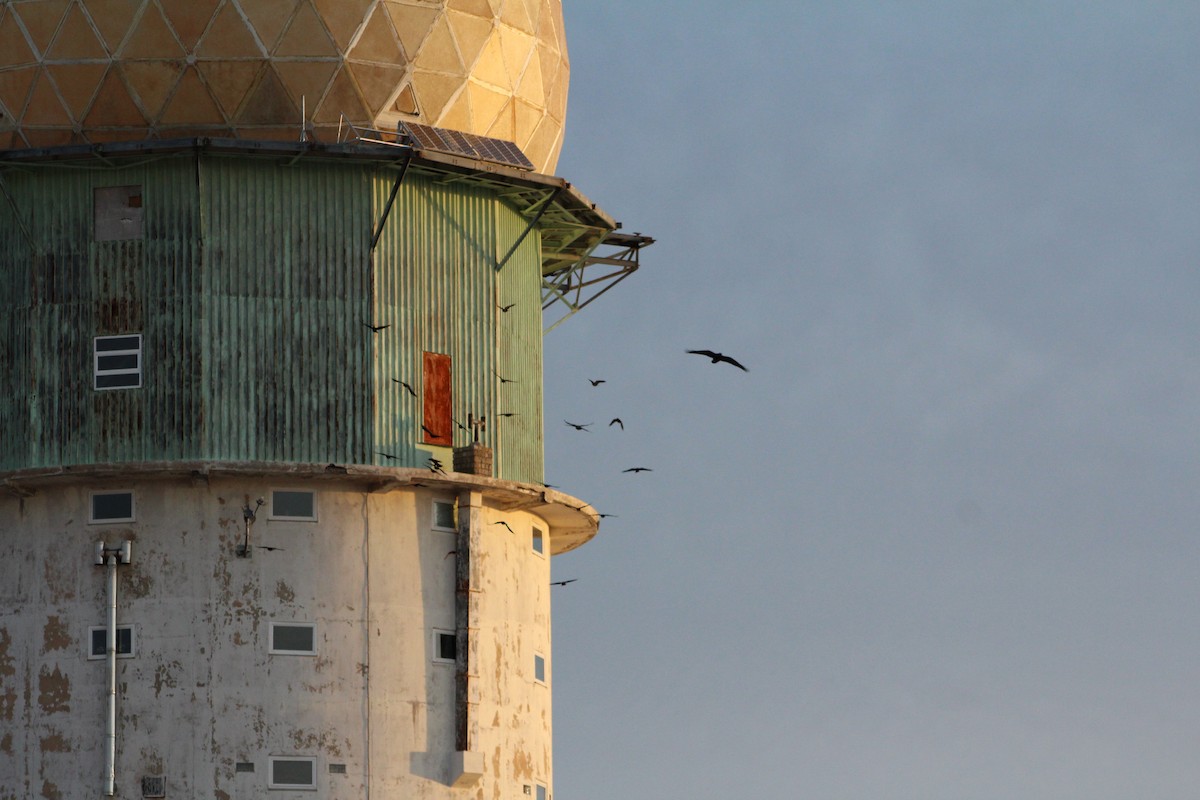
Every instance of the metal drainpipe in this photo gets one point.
(110, 764)
(110, 558)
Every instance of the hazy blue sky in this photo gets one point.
(941, 542)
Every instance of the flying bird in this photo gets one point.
(502, 378)
(717, 357)
(388, 456)
(606, 516)
(435, 466)
(461, 427)
(504, 309)
(580, 427)
(267, 547)
(563, 583)
(377, 328)
(638, 469)
(406, 386)
(596, 382)
(432, 435)
(548, 485)
(505, 524)
(617, 421)
(451, 553)
(508, 414)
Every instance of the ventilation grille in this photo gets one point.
(154, 786)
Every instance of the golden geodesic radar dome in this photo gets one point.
(87, 71)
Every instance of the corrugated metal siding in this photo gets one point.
(286, 282)
(253, 285)
(437, 286)
(519, 355)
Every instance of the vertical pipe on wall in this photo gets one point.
(109, 558)
(110, 750)
(469, 529)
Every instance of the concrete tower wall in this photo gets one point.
(203, 702)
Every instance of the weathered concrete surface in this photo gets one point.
(203, 694)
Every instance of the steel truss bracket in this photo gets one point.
(580, 283)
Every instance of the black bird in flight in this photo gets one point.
(508, 414)
(580, 427)
(617, 421)
(388, 456)
(435, 466)
(377, 328)
(432, 435)
(406, 386)
(549, 485)
(502, 378)
(606, 516)
(505, 524)
(638, 469)
(504, 309)
(596, 382)
(451, 553)
(267, 547)
(461, 427)
(563, 583)
(717, 357)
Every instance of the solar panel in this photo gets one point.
(445, 140)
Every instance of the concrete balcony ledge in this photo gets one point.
(572, 522)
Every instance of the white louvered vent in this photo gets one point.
(154, 786)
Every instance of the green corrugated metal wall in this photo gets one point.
(252, 285)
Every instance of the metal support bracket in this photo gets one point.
(542, 209)
(387, 209)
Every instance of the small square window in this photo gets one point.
(539, 668)
(293, 505)
(539, 546)
(292, 772)
(445, 646)
(111, 507)
(443, 516)
(117, 362)
(293, 638)
(98, 642)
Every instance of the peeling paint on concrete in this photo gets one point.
(56, 635)
(54, 691)
(50, 791)
(55, 743)
(6, 659)
(6, 745)
(8, 704)
(284, 592)
(135, 584)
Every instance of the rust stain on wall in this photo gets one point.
(6, 744)
(50, 791)
(54, 691)
(55, 635)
